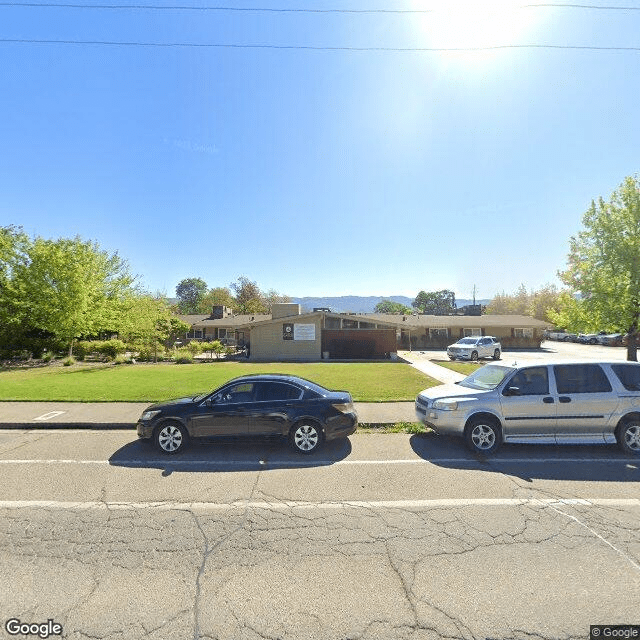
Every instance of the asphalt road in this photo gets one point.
(380, 536)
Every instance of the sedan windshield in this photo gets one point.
(487, 377)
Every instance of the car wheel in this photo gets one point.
(474, 355)
(305, 437)
(451, 357)
(482, 435)
(628, 436)
(170, 437)
(496, 354)
(592, 341)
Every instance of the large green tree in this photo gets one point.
(603, 270)
(68, 287)
(191, 292)
(388, 306)
(534, 303)
(438, 303)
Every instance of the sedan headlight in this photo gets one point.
(148, 415)
(445, 405)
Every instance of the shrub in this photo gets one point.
(68, 361)
(111, 348)
(183, 356)
(48, 356)
(122, 359)
(195, 348)
(83, 348)
(214, 347)
(148, 353)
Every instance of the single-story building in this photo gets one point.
(288, 334)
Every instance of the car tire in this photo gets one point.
(474, 355)
(483, 435)
(593, 341)
(170, 437)
(496, 354)
(305, 437)
(628, 436)
(451, 357)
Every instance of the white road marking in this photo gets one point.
(357, 504)
(48, 416)
(632, 463)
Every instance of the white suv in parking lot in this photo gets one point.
(475, 347)
(572, 403)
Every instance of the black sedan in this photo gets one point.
(258, 405)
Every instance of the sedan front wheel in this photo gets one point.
(170, 437)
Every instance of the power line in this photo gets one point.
(152, 7)
(207, 45)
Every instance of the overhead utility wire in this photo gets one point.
(152, 7)
(206, 45)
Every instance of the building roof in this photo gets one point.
(200, 321)
(468, 322)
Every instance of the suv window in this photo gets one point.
(629, 375)
(581, 378)
(531, 382)
(268, 391)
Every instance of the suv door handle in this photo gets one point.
(564, 399)
(548, 400)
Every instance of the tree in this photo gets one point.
(248, 298)
(69, 287)
(218, 296)
(190, 292)
(439, 303)
(146, 321)
(604, 266)
(388, 306)
(536, 304)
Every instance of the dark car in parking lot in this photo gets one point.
(256, 405)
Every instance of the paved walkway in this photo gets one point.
(422, 360)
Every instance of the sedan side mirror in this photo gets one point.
(512, 391)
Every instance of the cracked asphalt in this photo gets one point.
(378, 537)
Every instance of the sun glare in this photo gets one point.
(471, 24)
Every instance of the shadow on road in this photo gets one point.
(599, 463)
(230, 455)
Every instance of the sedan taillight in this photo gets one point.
(343, 407)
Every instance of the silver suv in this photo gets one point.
(564, 403)
(475, 347)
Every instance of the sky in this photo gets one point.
(319, 152)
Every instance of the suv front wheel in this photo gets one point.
(628, 436)
(482, 435)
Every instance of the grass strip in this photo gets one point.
(367, 382)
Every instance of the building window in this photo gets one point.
(195, 334)
(471, 332)
(523, 333)
(438, 332)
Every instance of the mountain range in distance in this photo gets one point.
(361, 304)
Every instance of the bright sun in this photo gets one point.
(468, 24)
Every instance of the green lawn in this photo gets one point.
(461, 367)
(375, 382)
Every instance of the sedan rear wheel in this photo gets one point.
(474, 355)
(170, 437)
(305, 437)
(628, 436)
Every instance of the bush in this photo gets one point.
(48, 356)
(121, 359)
(148, 353)
(195, 348)
(183, 356)
(83, 348)
(111, 348)
(67, 362)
